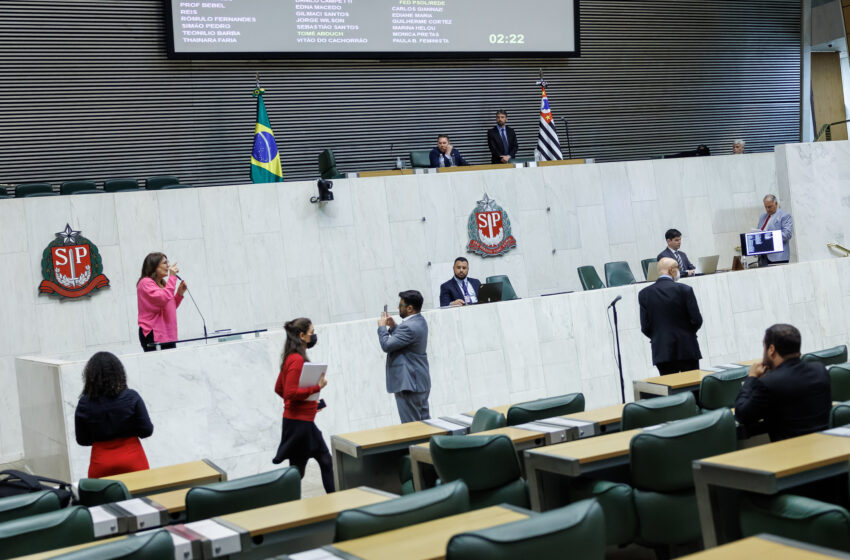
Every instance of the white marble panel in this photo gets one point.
(139, 230)
(231, 308)
(300, 229)
(268, 279)
(342, 280)
(180, 211)
(308, 299)
(519, 338)
(443, 241)
(11, 445)
(488, 383)
(338, 213)
(583, 181)
(260, 211)
(95, 217)
(13, 219)
(695, 178)
(104, 316)
(530, 187)
(618, 204)
(403, 202)
(224, 236)
(371, 228)
(641, 176)
(18, 305)
(410, 265)
(595, 247)
(566, 265)
(533, 228)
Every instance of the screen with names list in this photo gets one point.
(388, 28)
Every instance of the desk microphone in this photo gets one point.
(569, 148)
(613, 303)
(204, 321)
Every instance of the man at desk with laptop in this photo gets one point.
(706, 265)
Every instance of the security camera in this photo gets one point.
(325, 193)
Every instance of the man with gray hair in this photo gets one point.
(775, 219)
(738, 146)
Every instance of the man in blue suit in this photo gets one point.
(776, 219)
(408, 375)
(445, 155)
(674, 243)
(460, 290)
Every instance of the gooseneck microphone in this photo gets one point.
(613, 303)
(188, 291)
(569, 148)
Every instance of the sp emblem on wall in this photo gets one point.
(489, 229)
(71, 266)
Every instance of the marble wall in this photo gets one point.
(257, 255)
(216, 401)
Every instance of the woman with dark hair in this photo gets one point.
(158, 302)
(111, 418)
(301, 439)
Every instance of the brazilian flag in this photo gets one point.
(265, 159)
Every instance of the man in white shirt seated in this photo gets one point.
(674, 243)
(459, 290)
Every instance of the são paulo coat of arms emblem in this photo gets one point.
(489, 229)
(71, 266)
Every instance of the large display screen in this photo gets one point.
(761, 243)
(364, 28)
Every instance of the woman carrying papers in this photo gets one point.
(301, 439)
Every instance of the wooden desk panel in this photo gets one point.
(560, 162)
(757, 548)
(270, 519)
(174, 501)
(679, 380)
(59, 551)
(183, 474)
(503, 409)
(787, 457)
(589, 450)
(602, 416)
(385, 173)
(485, 167)
(391, 435)
(426, 541)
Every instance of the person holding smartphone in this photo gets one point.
(300, 438)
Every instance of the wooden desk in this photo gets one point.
(608, 417)
(664, 385)
(457, 168)
(183, 475)
(372, 457)
(65, 550)
(426, 541)
(420, 454)
(572, 459)
(385, 173)
(766, 469)
(767, 547)
(560, 162)
(174, 502)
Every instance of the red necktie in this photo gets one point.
(764, 225)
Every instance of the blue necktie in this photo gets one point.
(505, 140)
(466, 297)
(447, 162)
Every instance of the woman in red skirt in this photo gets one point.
(111, 418)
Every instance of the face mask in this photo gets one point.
(313, 340)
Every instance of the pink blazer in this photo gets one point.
(158, 308)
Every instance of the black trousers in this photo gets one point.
(145, 340)
(666, 368)
(763, 262)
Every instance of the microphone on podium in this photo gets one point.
(204, 321)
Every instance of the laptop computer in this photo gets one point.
(707, 265)
(490, 293)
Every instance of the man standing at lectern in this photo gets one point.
(408, 373)
(501, 139)
(775, 219)
(459, 290)
(670, 317)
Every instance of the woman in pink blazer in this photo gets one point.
(158, 301)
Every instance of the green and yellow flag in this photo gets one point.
(265, 159)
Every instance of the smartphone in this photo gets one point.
(385, 308)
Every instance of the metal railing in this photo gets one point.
(838, 247)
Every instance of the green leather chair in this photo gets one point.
(545, 408)
(181, 186)
(719, 390)
(644, 264)
(29, 189)
(649, 412)
(264, 489)
(839, 382)
(118, 185)
(839, 415)
(487, 419)
(796, 517)
(618, 506)
(589, 278)
(574, 531)
(508, 292)
(487, 464)
(23, 505)
(618, 273)
(149, 546)
(45, 531)
(662, 474)
(159, 181)
(420, 159)
(327, 166)
(99, 491)
(828, 356)
(74, 187)
(447, 499)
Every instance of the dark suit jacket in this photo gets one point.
(792, 399)
(668, 253)
(407, 360)
(436, 154)
(670, 317)
(497, 147)
(450, 291)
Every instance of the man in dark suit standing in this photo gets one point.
(460, 290)
(674, 242)
(408, 374)
(791, 396)
(501, 139)
(670, 317)
(445, 155)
